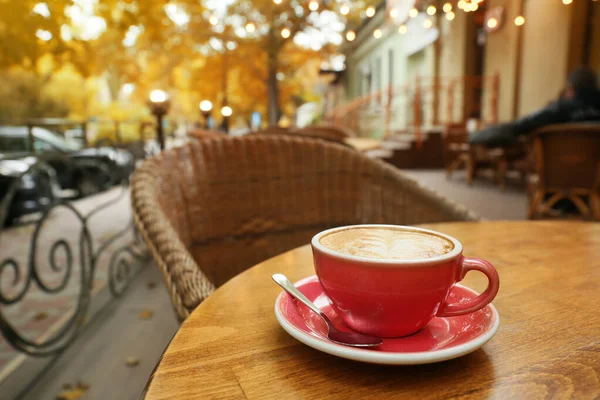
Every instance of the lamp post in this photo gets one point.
(206, 108)
(159, 105)
(226, 112)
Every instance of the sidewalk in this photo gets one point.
(483, 197)
(38, 313)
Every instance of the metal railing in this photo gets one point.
(18, 277)
(426, 102)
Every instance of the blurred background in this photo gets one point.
(89, 89)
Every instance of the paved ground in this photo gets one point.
(98, 357)
(484, 197)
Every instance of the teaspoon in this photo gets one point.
(353, 339)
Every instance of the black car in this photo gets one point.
(87, 171)
(26, 186)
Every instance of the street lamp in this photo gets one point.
(159, 105)
(206, 108)
(226, 112)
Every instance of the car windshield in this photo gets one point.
(57, 141)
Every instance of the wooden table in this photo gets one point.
(548, 344)
(363, 144)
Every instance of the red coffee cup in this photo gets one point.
(394, 298)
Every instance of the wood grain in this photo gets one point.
(548, 344)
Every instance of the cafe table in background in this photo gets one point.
(547, 346)
(363, 144)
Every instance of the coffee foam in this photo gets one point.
(387, 243)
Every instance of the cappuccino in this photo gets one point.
(387, 243)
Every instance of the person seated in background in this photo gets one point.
(579, 102)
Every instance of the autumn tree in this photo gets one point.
(238, 51)
(283, 35)
(245, 52)
(26, 30)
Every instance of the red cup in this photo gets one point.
(394, 298)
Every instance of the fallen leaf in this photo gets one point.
(151, 285)
(146, 314)
(40, 316)
(132, 361)
(73, 393)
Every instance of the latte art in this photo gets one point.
(387, 243)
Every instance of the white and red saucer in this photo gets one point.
(442, 339)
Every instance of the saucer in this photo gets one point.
(442, 339)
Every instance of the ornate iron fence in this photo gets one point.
(18, 277)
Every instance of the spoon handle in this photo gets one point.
(289, 287)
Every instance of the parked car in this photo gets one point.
(87, 171)
(26, 186)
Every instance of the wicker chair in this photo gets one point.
(213, 208)
(456, 149)
(568, 167)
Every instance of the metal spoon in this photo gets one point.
(346, 338)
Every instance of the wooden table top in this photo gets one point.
(363, 144)
(548, 344)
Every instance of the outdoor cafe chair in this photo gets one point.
(215, 207)
(567, 160)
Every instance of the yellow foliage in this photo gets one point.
(87, 76)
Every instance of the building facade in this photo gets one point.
(494, 64)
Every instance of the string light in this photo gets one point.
(447, 7)
(313, 5)
(394, 13)
(462, 4)
(250, 27)
(520, 20)
(567, 1)
(370, 11)
(213, 20)
(450, 15)
(492, 23)
(350, 36)
(413, 12)
(344, 9)
(403, 29)
(285, 33)
(377, 33)
(427, 23)
(277, 1)
(474, 6)
(431, 10)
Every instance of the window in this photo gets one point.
(13, 140)
(13, 144)
(41, 146)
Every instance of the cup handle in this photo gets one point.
(473, 264)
